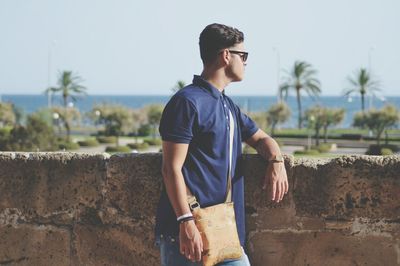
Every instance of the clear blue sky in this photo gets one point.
(144, 47)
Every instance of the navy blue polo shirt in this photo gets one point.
(199, 116)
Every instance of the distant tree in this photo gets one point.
(260, 119)
(19, 114)
(139, 118)
(144, 130)
(69, 86)
(301, 77)
(36, 135)
(332, 117)
(154, 112)
(315, 119)
(180, 84)
(117, 119)
(7, 115)
(65, 116)
(321, 118)
(377, 120)
(362, 83)
(276, 114)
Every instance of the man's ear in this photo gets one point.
(225, 57)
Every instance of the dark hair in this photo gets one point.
(216, 37)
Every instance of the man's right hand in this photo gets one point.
(190, 242)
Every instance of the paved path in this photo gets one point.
(286, 149)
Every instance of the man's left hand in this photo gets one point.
(276, 179)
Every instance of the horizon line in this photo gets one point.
(165, 95)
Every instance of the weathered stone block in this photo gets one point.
(321, 248)
(51, 186)
(114, 245)
(349, 187)
(34, 245)
(134, 184)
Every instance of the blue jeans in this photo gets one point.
(170, 255)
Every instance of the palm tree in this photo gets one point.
(180, 84)
(301, 78)
(69, 87)
(362, 83)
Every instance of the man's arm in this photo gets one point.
(174, 155)
(275, 174)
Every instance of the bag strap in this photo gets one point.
(191, 199)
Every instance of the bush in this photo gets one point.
(307, 152)
(138, 146)
(352, 136)
(118, 149)
(144, 130)
(322, 148)
(107, 139)
(153, 142)
(88, 143)
(388, 149)
(68, 146)
(249, 150)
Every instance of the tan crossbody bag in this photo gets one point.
(217, 224)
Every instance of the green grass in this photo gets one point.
(119, 149)
(90, 142)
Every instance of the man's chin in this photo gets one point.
(237, 79)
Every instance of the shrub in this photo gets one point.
(322, 148)
(123, 149)
(68, 146)
(144, 130)
(153, 142)
(352, 136)
(88, 143)
(138, 146)
(307, 152)
(107, 139)
(388, 149)
(249, 150)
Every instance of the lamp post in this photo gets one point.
(310, 125)
(278, 61)
(97, 120)
(370, 50)
(56, 117)
(53, 43)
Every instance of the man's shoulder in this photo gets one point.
(192, 93)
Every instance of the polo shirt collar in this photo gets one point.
(199, 81)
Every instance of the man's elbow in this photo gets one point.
(168, 171)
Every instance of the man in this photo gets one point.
(195, 129)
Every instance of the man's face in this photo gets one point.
(237, 62)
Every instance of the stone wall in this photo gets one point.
(92, 209)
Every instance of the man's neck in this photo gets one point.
(217, 78)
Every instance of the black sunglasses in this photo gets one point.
(243, 55)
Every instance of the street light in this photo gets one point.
(53, 43)
(56, 117)
(311, 120)
(370, 50)
(278, 61)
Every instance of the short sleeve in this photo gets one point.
(178, 120)
(246, 124)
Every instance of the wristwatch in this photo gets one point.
(276, 159)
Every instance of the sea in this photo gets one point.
(32, 103)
